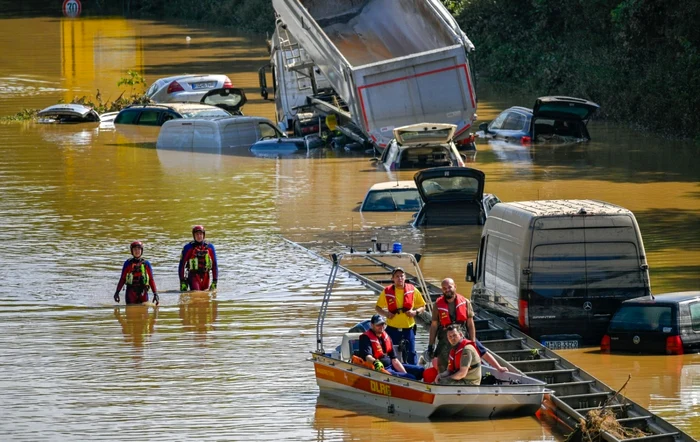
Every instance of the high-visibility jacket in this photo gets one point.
(444, 310)
(390, 294)
(137, 274)
(377, 350)
(455, 362)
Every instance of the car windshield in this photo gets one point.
(451, 187)
(639, 318)
(392, 200)
(424, 157)
(205, 113)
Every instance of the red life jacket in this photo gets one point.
(376, 341)
(444, 310)
(201, 260)
(390, 293)
(455, 361)
(137, 275)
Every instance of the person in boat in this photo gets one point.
(137, 275)
(198, 258)
(377, 349)
(453, 308)
(401, 302)
(464, 366)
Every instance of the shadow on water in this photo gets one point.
(654, 226)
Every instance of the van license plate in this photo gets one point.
(560, 345)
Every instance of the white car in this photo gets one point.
(392, 196)
(421, 146)
(186, 88)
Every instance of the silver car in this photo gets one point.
(186, 88)
(421, 146)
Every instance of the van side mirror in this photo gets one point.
(484, 127)
(470, 271)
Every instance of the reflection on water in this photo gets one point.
(205, 367)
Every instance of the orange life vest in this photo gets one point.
(376, 341)
(444, 310)
(390, 293)
(456, 356)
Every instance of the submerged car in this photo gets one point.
(663, 324)
(452, 196)
(218, 103)
(219, 135)
(186, 88)
(276, 146)
(68, 113)
(420, 146)
(392, 196)
(551, 118)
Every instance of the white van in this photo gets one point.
(561, 267)
(222, 135)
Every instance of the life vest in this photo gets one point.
(453, 365)
(390, 293)
(138, 274)
(201, 260)
(376, 341)
(444, 310)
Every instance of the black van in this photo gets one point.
(664, 324)
(561, 267)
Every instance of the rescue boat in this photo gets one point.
(508, 394)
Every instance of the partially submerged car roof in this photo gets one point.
(424, 133)
(393, 185)
(227, 98)
(569, 108)
(665, 298)
(425, 181)
(76, 113)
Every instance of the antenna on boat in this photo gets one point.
(352, 234)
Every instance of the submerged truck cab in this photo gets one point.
(561, 267)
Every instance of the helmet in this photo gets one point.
(135, 244)
(198, 228)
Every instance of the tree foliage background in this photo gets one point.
(637, 58)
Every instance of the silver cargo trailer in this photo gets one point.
(391, 62)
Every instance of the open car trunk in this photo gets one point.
(229, 99)
(451, 196)
(563, 117)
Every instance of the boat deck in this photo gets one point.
(576, 392)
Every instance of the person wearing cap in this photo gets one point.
(377, 350)
(400, 302)
(198, 258)
(137, 275)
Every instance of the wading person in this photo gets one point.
(464, 366)
(198, 259)
(400, 302)
(377, 349)
(137, 275)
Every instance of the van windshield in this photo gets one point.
(587, 269)
(642, 318)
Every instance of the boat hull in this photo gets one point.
(358, 384)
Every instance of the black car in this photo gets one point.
(217, 103)
(551, 118)
(452, 196)
(663, 324)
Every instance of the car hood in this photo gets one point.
(424, 133)
(450, 184)
(568, 108)
(227, 98)
(77, 112)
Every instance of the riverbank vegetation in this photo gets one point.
(638, 59)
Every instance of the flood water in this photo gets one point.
(231, 366)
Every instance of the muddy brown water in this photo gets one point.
(232, 365)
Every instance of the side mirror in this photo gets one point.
(470, 271)
(484, 127)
